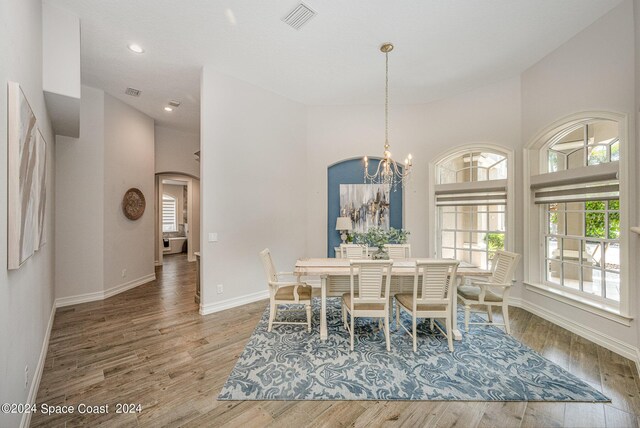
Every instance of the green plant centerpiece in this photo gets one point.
(378, 238)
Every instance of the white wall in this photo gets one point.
(253, 185)
(61, 68)
(80, 202)
(61, 51)
(174, 151)
(593, 71)
(636, 10)
(95, 241)
(129, 162)
(26, 294)
(487, 115)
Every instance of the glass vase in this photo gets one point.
(380, 254)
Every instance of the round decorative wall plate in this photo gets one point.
(133, 204)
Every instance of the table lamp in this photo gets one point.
(344, 225)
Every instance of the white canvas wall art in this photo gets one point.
(367, 205)
(26, 180)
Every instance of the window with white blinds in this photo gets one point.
(578, 196)
(471, 199)
(169, 214)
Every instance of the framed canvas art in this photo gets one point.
(367, 204)
(26, 180)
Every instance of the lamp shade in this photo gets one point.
(344, 223)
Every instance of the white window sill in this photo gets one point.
(600, 309)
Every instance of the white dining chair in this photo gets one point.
(491, 291)
(398, 251)
(431, 298)
(284, 292)
(353, 251)
(370, 281)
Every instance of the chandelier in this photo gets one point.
(388, 171)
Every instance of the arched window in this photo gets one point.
(470, 196)
(574, 211)
(169, 213)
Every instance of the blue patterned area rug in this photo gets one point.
(487, 365)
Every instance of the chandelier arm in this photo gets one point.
(372, 177)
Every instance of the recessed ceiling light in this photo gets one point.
(168, 108)
(136, 48)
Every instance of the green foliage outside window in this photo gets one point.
(614, 220)
(495, 241)
(595, 224)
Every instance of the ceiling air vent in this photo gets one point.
(174, 103)
(299, 16)
(133, 92)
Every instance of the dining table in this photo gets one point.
(334, 274)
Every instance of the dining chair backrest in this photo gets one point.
(437, 278)
(269, 267)
(398, 251)
(503, 266)
(353, 251)
(370, 280)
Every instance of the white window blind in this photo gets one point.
(493, 192)
(169, 214)
(595, 182)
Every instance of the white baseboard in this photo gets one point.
(615, 345)
(37, 374)
(232, 303)
(101, 295)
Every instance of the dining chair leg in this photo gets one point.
(505, 316)
(386, 333)
(449, 333)
(397, 315)
(308, 318)
(272, 315)
(490, 313)
(415, 333)
(351, 332)
(431, 324)
(467, 314)
(391, 308)
(344, 316)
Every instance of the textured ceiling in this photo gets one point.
(442, 47)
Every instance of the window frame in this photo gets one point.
(433, 214)
(536, 162)
(579, 263)
(486, 210)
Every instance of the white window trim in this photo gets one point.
(509, 243)
(601, 309)
(533, 158)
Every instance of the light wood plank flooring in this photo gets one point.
(150, 346)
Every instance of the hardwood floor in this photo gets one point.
(149, 346)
